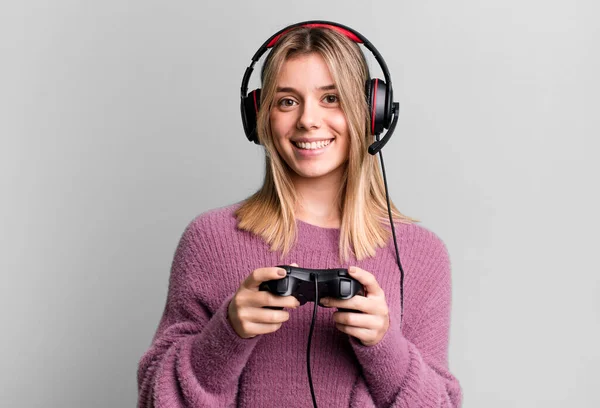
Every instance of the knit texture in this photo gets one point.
(196, 359)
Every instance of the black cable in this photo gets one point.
(312, 326)
(387, 196)
(314, 276)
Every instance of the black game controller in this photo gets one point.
(299, 282)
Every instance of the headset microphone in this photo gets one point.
(378, 145)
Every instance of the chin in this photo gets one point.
(317, 173)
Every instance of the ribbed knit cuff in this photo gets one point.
(394, 367)
(218, 354)
(422, 388)
(385, 365)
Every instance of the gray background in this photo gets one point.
(119, 123)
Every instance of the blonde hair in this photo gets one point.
(269, 213)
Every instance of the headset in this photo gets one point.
(379, 94)
(383, 115)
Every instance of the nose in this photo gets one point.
(310, 116)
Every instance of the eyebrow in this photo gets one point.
(321, 88)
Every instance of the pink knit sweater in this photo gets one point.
(197, 360)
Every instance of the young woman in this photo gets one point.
(322, 205)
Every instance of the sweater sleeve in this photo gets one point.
(195, 358)
(409, 371)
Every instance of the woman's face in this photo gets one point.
(308, 126)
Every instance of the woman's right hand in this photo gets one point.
(247, 313)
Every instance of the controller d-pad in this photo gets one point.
(345, 286)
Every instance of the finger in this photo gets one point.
(358, 302)
(365, 321)
(253, 329)
(364, 335)
(264, 298)
(265, 316)
(367, 279)
(261, 275)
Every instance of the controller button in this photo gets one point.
(345, 285)
(342, 272)
(282, 285)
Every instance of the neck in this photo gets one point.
(319, 199)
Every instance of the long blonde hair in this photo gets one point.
(269, 213)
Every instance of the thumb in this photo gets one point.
(294, 264)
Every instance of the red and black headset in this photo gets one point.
(379, 94)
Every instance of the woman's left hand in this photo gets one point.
(369, 326)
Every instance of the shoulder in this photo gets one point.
(214, 223)
(208, 234)
(422, 244)
(427, 265)
(420, 237)
(217, 217)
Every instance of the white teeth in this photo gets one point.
(314, 145)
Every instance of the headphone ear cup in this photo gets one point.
(369, 93)
(249, 107)
(379, 103)
(389, 106)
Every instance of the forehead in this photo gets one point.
(307, 69)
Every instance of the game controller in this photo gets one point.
(299, 282)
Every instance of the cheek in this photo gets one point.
(340, 126)
(279, 126)
(339, 123)
(278, 131)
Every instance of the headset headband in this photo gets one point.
(347, 31)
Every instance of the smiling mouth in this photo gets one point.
(313, 145)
